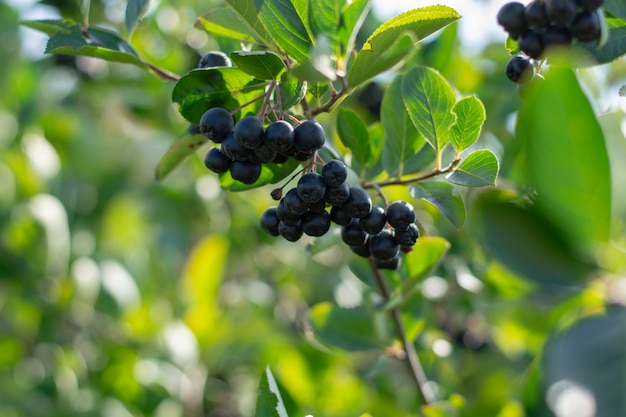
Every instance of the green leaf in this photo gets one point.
(426, 254)
(352, 17)
(202, 89)
(354, 136)
(48, 26)
(282, 22)
(269, 402)
(511, 46)
(478, 169)
(225, 22)
(616, 7)
(418, 23)
(263, 65)
(270, 174)
(303, 11)
(292, 90)
(347, 328)
(180, 149)
(135, 10)
(613, 48)
(441, 195)
(470, 116)
(326, 18)
(429, 99)
(402, 141)
(249, 14)
(376, 134)
(565, 158)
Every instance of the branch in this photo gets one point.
(162, 73)
(399, 181)
(310, 113)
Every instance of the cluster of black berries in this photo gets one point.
(303, 210)
(543, 24)
(246, 145)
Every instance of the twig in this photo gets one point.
(398, 181)
(164, 74)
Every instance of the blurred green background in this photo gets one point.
(121, 296)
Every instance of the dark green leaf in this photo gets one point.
(353, 134)
(269, 402)
(441, 195)
(325, 19)
(135, 10)
(478, 169)
(347, 328)
(202, 89)
(270, 174)
(249, 14)
(303, 11)
(291, 90)
(470, 116)
(352, 17)
(376, 134)
(263, 65)
(402, 141)
(48, 26)
(613, 48)
(419, 23)
(565, 158)
(180, 149)
(616, 7)
(226, 22)
(282, 22)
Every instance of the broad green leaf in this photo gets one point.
(325, 20)
(441, 195)
(565, 158)
(302, 8)
(616, 7)
(291, 90)
(402, 141)
(202, 89)
(282, 22)
(352, 17)
(478, 169)
(419, 23)
(270, 174)
(429, 100)
(135, 10)
(249, 14)
(263, 65)
(348, 328)
(226, 22)
(48, 26)
(470, 116)
(353, 134)
(426, 254)
(180, 149)
(589, 358)
(269, 402)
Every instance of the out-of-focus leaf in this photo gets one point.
(325, 19)
(616, 7)
(135, 10)
(441, 195)
(511, 46)
(269, 402)
(270, 174)
(613, 47)
(226, 22)
(353, 134)
(376, 134)
(426, 254)
(263, 65)
(352, 17)
(470, 116)
(248, 12)
(48, 26)
(291, 89)
(180, 149)
(478, 169)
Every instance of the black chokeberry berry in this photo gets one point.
(359, 204)
(245, 171)
(590, 5)
(318, 207)
(536, 15)
(308, 136)
(519, 69)
(279, 136)
(214, 59)
(249, 132)
(407, 237)
(264, 153)
(334, 173)
(216, 161)
(561, 12)
(556, 36)
(391, 264)
(315, 224)
(269, 221)
(374, 222)
(216, 123)
(233, 149)
(400, 214)
(586, 27)
(352, 234)
(280, 158)
(294, 204)
(284, 215)
(512, 18)
(362, 250)
(531, 43)
(311, 187)
(339, 216)
(383, 245)
(336, 196)
(290, 232)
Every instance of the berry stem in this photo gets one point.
(426, 394)
(399, 181)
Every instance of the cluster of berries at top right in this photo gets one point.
(543, 24)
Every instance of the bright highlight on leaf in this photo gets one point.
(135, 10)
(470, 116)
(478, 169)
(263, 65)
(269, 402)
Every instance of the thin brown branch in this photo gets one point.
(326, 107)
(162, 73)
(406, 181)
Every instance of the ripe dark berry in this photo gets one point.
(407, 237)
(519, 69)
(290, 232)
(536, 15)
(359, 204)
(234, 150)
(586, 27)
(311, 187)
(279, 136)
(531, 43)
(392, 263)
(214, 59)
(557, 36)
(336, 196)
(315, 224)
(264, 153)
(374, 222)
(280, 158)
(318, 207)
(308, 136)
(216, 123)
(303, 156)
(561, 12)
(352, 234)
(590, 5)
(249, 132)
(400, 214)
(294, 204)
(216, 161)
(193, 129)
(383, 245)
(512, 18)
(245, 171)
(334, 173)
(269, 221)
(340, 217)
(362, 250)
(285, 216)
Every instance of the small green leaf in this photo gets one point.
(202, 89)
(347, 328)
(226, 22)
(354, 136)
(426, 254)
(48, 26)
(470, 116)
(418, 23)
(249, 14)
(478, 169)
(511, 46)
(616, 7)
(270, 174)
(269, 402)
(263, 65)
(180, 149)
(429, 100)
(441, 195)
(135, 10)
(291, 90)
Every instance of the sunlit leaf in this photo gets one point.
(479, 169)
(263, 65)
(470, 116)
(353, 15)
(353, 134)
(180, 149)
(48, 26)
(226, 22)
(135, 10)
(249, 14)
(616, 7)
(426, 254)
(269, 402)
(441, 195)
(325, 19)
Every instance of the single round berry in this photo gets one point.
(374, 222)
(216, 123)
(519, 69)
(308, 136)
(285, 216)
(280, 158)
(249, 132)
(400, 214)
(531, 43)
(303, 156)
(279, 136)
(216, 161)
(362, 250)
(290, 232)
(315, 224)
(536, 15)
(407, 237)
(339, 216)
(512, 18)
(245, 171)
(294, 204)
(234, 150)
(214, 59)
(391, 264)
(561, 12)
(352, 234)
(590, 5)
(264, 153)
(318, 207)
(383, 245)
(269, 221)
(334, 173)
(586, 27)
(557, 36)
(359, 204)
(336, 196)
(311, 187)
